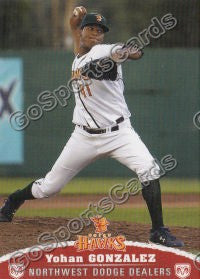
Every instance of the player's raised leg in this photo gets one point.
(78, 153)
(133, 153)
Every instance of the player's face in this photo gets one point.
(91, 35)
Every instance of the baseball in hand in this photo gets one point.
(79, 10)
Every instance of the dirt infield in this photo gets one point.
(23, 232)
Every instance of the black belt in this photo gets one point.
(102, 131)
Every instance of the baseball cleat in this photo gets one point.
(164, 237)
(8, 210)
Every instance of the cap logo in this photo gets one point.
(99, 18)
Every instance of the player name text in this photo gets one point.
(101, 258)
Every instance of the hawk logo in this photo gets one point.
(100, 239)
(16, 270)
(100, 224)
(99, 18)
(182, 270)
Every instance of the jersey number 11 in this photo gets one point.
(85, 88)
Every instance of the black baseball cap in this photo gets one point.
(96, 19)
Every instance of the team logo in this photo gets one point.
(99, 18)
(100, 239)
(183, 270)
(100, 224)
(16, 270)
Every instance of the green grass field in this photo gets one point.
(185, 216)
(189, 217)
(102, 185)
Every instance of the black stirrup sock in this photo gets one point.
(22, 195)
(152, 195)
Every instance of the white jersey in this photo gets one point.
(98, 105)
(101, 102)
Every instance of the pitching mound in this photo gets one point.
(23, 232)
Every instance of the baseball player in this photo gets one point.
(102, 125)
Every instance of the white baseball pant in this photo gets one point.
(83, 148)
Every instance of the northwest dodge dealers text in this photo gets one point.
(102, 265)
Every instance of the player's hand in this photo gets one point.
(77, 17)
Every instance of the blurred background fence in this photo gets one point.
(162, 89)
(44, 23)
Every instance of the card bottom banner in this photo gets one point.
(104, 257)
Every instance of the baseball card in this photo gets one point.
(99, 139)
